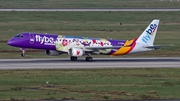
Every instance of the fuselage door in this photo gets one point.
(31, 38)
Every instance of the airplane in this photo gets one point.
(77, 46)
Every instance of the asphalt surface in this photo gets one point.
(105, 9)
(103, 100)
(65, 63)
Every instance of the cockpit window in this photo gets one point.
(19, 36)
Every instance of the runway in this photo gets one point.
(65, 63)
(89, 10)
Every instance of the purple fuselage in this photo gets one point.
(49, 41)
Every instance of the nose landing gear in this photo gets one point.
(23, 52)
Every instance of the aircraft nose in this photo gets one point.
(10, 42)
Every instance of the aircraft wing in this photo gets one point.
(158, 46)
(107, 47)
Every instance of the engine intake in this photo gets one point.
(53, 52)
(76, 52)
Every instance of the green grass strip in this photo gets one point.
(88, 84)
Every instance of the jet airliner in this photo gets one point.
(77, 46)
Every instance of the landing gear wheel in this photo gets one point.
(22, 54)
(73, 58)
(89, 59)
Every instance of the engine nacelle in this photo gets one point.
(76, 52)
(53, 52)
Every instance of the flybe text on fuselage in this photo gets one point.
(45, 40)
(149, 33)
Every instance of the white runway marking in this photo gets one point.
(65, 63)
(90, 10)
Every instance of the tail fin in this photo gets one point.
(148, 36)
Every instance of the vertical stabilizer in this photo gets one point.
(148, 36)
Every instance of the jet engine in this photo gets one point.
(76, 52)
(53, 52)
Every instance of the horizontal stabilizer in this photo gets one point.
(158, 46)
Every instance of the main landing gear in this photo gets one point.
(89, 58)
(73, 58)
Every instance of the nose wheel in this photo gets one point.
(89, 58)
(73, 58)
(23, 53)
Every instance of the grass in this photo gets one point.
(88, 4)
(89, 84)
(90, 24)
(94, 84)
